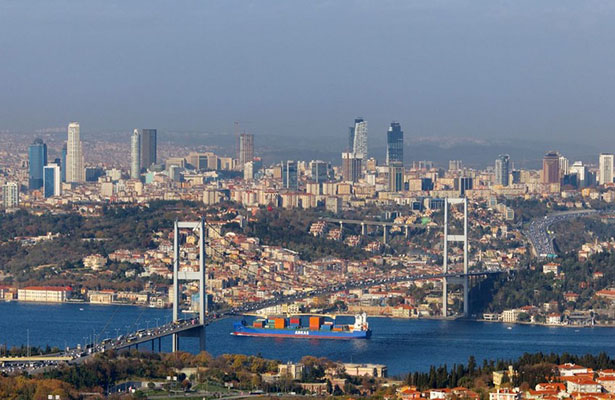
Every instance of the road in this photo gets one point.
(538, 229)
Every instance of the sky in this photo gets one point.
(485, 69)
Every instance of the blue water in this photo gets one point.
(403, 345)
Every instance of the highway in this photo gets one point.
(538, 229)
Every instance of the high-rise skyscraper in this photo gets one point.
(359, 147)
(290, 175)
(350, 139)
(577, 168)
(550, 168)
(10, 195)
(63, 163)
(395, 144)
(564, 166)
(52, 177)
(246, 148)
(37, 154)
(320, 171)
(502, 170)
(606, 162)
(351, 167)
(74, 155)
(149, 143)
(135, 155)
(396, 177)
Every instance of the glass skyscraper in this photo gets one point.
(37, 155)
(395, 144)
(502, 170)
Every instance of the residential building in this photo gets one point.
(351, 167)
(606, 162)
(246, 148)
(10, 195)
(396, 177)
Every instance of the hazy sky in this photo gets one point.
(501, 69)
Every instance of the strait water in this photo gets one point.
(403, 345)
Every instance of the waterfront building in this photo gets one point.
(359, 145)
(550, 168)
(395, 144)
(246, 148)
(10, 195)
(44, 294)
(52, 180)
(606, 162)
(502, 170)
(37, 156)
(135, 155)
(75, 172)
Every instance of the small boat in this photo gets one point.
(80, 309)
(510, 328)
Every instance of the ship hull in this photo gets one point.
(299, 334)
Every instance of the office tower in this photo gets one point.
(395, 144)
(359, 147)
(396, 177)
(463, 184)
(577, 168)
(351, 167)
(135, 155)
(37, 155)
(350, 139)
(74, 155)
(455, 165)
(320, 171)
(564, 166)
(10, 195)
(606, 162)
(550, 168)
(63, 163)
(502, 169)
(246, 148)
(52, 182)
(289, 175)
(148, 153)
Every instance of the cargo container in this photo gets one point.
(318, 328)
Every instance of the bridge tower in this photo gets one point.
(455, 238)
(200, 276)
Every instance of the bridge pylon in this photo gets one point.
(200, 276)
(455, 238)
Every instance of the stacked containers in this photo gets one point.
(315, 323)
(259, 323)
(270, 323)
(280, 323)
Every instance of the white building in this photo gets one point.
(360, 139)
(505, 394)
(10, 195)
(44, 294)
(510, 316)
(606, 168)
(74, 155)
(135, 154)
(52, 180)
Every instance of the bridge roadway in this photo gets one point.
(370, 222)
(189, 327)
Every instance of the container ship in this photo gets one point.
(318, 328)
